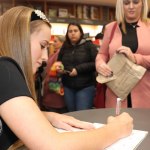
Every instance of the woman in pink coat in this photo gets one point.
(131, 37)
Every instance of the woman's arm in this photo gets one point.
(143, 60)
(26, 120)
(103, 55)
(67, 122)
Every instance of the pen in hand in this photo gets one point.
(118, 106)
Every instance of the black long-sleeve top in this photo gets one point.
(130, 40)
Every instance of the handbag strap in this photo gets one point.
(112, 31)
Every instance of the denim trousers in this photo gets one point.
(79, 99)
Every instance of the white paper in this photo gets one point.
(128, 143)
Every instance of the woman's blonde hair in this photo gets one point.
(15, 30)
(120, 13)
(61, 38)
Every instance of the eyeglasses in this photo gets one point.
(127, 2)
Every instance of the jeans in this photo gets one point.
(79, 99)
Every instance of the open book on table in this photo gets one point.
(128, 143)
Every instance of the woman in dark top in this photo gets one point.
(78, 57)
(25, 35)
(131, 37)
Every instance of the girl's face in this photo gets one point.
(74, 34)
(57, 43)
(132, 10)
(39, 46)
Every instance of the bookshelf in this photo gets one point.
(91, 17)
(81, 13)
(62, 12)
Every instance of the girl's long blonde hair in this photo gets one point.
(15, 30)
(15, 40)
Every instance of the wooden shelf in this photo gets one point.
(80, 21)
(81, 13)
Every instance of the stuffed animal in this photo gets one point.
(56, 66)
(55, 83)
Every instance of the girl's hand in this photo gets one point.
(67, 122)
(124, 122)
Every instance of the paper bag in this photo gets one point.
(126, 75)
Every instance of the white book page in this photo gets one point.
(128, 143)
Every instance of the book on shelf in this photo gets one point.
(63, 13)
(111, 14)
(86, 12)
(71, 15)
(94, 13)
(79, 11)
(101, 13)
(52, 13)
(105, 13)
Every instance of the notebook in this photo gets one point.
(128, 143)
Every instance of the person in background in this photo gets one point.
(58, 42)
(52, 101)
(99, 38)
(20, 117)
(78, 57)
(131, 37)
(99, 99)
(39, 83)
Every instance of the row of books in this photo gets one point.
(5, 5)
(84, 12)
(80, 12)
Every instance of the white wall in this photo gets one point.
(61, 28)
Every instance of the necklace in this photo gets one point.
(134, 25)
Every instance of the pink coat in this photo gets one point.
(140, 95)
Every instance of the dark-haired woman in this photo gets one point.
(78, 57)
